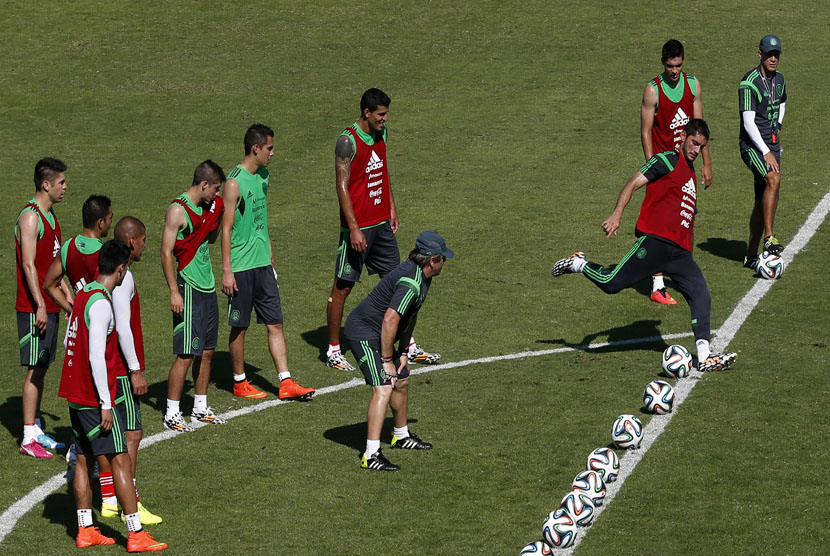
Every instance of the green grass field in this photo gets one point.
(512, 128)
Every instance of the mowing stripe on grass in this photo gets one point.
(724, 337)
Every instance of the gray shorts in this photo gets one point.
(380, 257)
(197, 328)
(37, 349)
(755, 162)
(367, 353)
(126, 404)
(257, 289)
(92, 441)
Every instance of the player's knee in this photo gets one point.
(773, 180)
(402, 384)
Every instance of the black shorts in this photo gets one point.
(257, 289)
(755, 162)
(92, 441)
(380, 257)
(37, 349)
(197, 328)
(126, 404)
(367, 353)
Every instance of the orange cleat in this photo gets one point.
(290, 389)
(143, 542)
(91, 536)
(662, 297)
(245, 389)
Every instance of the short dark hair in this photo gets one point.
(129, 227)
(46, 169)
(672, 49)
(208, 171)
(373, 98)
(113, 254)
(697, 126)
(422, 260)
(95, 208)
(258, 135)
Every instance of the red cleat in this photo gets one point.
(91, 536)
(662, 297)
(290, 389)
(143, 542)
(245, 389)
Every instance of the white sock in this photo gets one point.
(29, 433)
(39, 423)
(239, 378)
(703, 350)
(372, 446)
(657, 283)
(283, 375)
(199, 402)
(333, 348)
(85, 517)
(133, 522)
(172, 407)
(400, 433)
(578, 264)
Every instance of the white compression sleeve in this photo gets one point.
(781, 109)
(748, 119)
(121, 300)
(101, 322)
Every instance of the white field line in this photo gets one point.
(724, 337)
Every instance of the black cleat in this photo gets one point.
(378, 462)
(717, 362)
(411, 442)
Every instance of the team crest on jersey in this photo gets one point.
(375, 163)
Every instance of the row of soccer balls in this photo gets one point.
(588, 489)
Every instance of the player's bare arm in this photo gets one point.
(393, 210)
(388, 334)
(706, 173)
(343, 152)
(27, 226)
(647, 110)
(230, 194)
(52, 284)
(403, 342)
(138, 382)
(612, 224)
(174, 221)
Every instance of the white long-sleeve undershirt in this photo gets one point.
(101, 323)
(748, 118)
(121, 301)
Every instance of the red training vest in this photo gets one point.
(48, 247)
(81, 269)
(369, 186)
(668, 210)
(185, 249)
(671, 117)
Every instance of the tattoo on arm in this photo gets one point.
(344, 149)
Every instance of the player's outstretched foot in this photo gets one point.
(143, 542)
(418, 355)
(110, 510)
(338, 361)
(91, 536)
(245, 389)
(772, 246)
(662, 297)
(717, 362)
(411, 442)
(378, 462)
(751, 263)
(205, 416)
(177, 423)
(36, 450)
(566, 265)
(47, 441)
(290, 389)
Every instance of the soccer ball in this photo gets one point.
(605, 462)
(658, 397)
(770, 267)
(591, 483)
(537, 547)
(627, 432)
(677, 361)
(559, 529)
(580, 506)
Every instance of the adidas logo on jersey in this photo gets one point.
(680, 119)
(375, 163)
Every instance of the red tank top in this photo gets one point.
(76, 384)
(185, 249)
(135, 326)
(81, 268)
(48, 247)
(368, 182)
(671, 117)
(668, 210)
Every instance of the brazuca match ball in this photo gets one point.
(580, 506)
(559, 529)
(677, 361)
(627, 432)
(591, 483)
(605, 462)
(770, 267)
(537, 547)
(658, 397)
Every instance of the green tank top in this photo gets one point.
(250, 245)
(199, 272)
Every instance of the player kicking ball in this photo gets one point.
(664, 234)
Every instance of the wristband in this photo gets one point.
(385, 359)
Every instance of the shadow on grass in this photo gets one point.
(625, 338)
(11, 418)
(319, 338)
(728, 249)
(354, 436)
(59, 508)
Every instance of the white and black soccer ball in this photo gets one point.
(627, 432)
(677, 361)
(537, 547)
(658, 397)
(591, 483)
(559, 529)
(605, 462)
(770, 267)
(580, 506)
